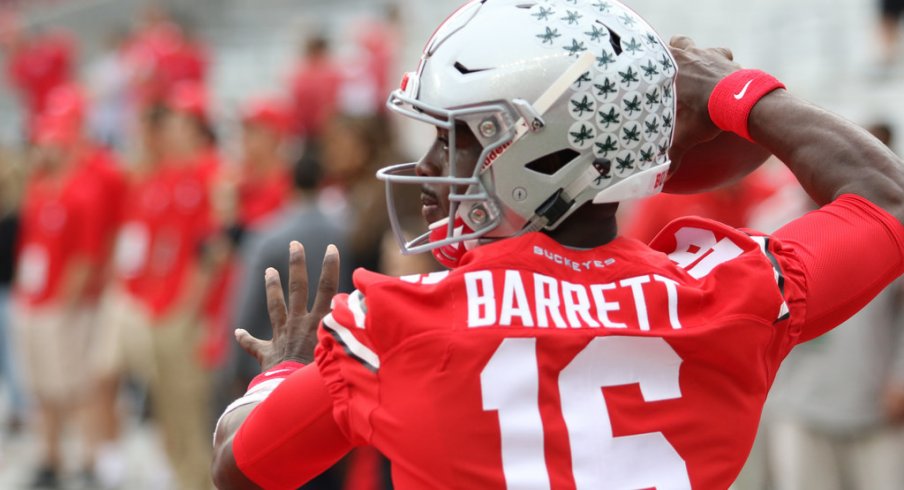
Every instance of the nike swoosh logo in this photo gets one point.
(740, 95)
(274, 373)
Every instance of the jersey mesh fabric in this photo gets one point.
(849, 252)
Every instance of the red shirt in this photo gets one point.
(315, 90)
(100, 167)
(62, 221)
(259, 199)
(162, 57)
(166, 221)
(537, 366)
(144, 206)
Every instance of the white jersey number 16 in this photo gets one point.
(510, 385)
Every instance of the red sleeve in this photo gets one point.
(291, 436)
(349, 364)
(844, 254)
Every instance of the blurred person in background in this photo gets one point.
(314, 87)
(10, 193)
(246, 197)
(161, 54)
(182, 262)
(836, 415)
(154, 312)
(68, 105)
(36, 64)
(264, 185)
(353, 149)
(190, 142)
(380, 40)
(109, 79)
(266, 247)
(125, 345)
(371, 71)
(62, 253)
(890, 30)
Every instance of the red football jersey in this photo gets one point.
(535, 366)
(62, 221)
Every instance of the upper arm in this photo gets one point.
(828, 154)
(843, 255)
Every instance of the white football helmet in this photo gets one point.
(587, 81)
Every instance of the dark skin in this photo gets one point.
(828, 155)
(294, 339)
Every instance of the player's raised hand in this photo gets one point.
(699, 70)
(294, 327)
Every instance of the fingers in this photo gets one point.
(681, 42)
(276, 303)
(329, 281)
(686, 43)
(725, 52)
(250, 344)
(298, 280)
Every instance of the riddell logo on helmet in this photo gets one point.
(495, 154)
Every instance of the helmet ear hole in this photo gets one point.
(552, 163)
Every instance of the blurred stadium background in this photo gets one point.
(827, 51)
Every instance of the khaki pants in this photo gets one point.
(124, 338)
(55, 347)
(804, 459)
(163, 353)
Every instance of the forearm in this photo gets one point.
(224, 469)
(282, 441)
(829, 155)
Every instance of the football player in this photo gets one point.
(554, 353)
